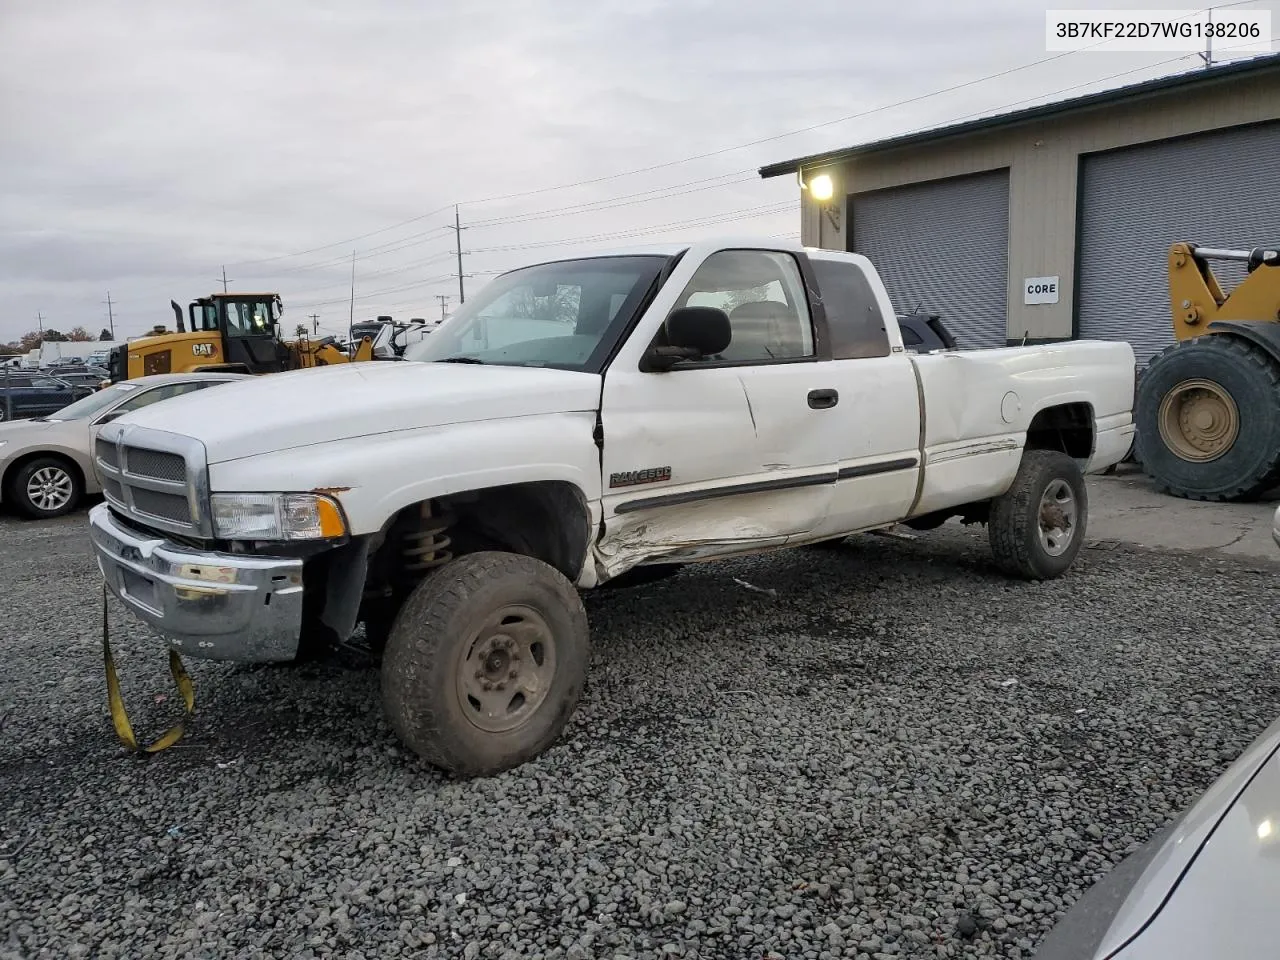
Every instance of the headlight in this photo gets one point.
(276, 516)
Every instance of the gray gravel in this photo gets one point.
(845, 770)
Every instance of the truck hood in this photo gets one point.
(282, 411)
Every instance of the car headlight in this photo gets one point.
(276, 516)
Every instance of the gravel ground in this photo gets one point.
(900, 755)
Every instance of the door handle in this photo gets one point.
(823, 399)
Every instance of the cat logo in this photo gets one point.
(202, 349)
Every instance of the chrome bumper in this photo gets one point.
(219, 606)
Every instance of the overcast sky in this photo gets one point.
(143, 145)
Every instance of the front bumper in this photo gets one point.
(218, 606)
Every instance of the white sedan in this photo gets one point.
(46, 464)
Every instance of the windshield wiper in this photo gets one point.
(460, 360)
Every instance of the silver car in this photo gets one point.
(1206, 887)
(46, 464)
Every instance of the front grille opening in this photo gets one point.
(112, 490)
(156, 464)
(106, 453)
(166, 506)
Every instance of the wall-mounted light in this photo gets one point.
(822, 189)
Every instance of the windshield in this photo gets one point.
(567, 315)
(94, 403)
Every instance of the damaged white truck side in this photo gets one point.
(576, 421)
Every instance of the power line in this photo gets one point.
(709, 220)
(695, 157)
(644, 197)
(340, 243)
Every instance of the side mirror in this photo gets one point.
(693, 333)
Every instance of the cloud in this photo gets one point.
(146, 144)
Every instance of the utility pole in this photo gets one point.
(351, 312)
(40, 324)
(443, 298)
(111, 317)
(315, 324)
(224, 279)
(457, 232)
(1207, 56)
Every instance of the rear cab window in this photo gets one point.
(855, 322)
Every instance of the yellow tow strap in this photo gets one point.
(120, 718)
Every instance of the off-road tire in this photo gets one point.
(17, 488)
(1013, 528)
(1251, 376)
(430, 640)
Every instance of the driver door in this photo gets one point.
(728, 453)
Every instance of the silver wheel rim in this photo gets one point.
(506, 670)
(1057, 518)
(49, 488)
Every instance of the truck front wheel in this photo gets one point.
(486, 662)
(1037, 527)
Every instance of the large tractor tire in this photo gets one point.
(1208, 415)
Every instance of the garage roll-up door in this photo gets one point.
(1216, 190)
(943, 246)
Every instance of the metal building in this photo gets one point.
(1055, 222)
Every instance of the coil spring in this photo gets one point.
(427, 546)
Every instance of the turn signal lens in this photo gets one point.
(331, 522)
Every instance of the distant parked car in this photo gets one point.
(84, 376)
(34, 395)
(925, 333)
(46, 464)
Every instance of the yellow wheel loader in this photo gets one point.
(1208, 407)
(227, 331)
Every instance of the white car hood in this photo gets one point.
(281, 411)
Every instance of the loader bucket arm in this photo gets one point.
(1197, 299)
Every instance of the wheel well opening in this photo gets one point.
(12, 470)
(1067, 428)
(546, 520)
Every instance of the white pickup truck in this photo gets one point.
(577, 422)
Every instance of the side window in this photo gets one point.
(147, 397)
(764, 295)
(854, 320)
(910, 338)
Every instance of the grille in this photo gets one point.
(112, 490)
(167, 506)
(106, 453)
(154, 463)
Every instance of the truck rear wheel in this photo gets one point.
(1208, 413)
(1037, 527)
(486, 662)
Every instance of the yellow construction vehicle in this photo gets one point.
(1208, 407)
(227, 331)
